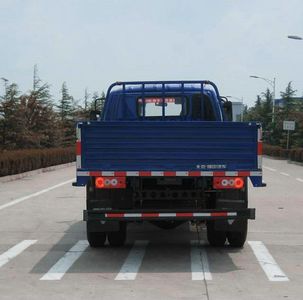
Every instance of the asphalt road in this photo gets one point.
(44, 253)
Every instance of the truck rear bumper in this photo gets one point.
(152, 215)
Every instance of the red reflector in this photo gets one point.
(219, 173)
(239, 183)
(184, 214)
(78, 148)
(260, 148)
(110, 182)
(194, 173)
(167, 173)
(244, 173)
(117, 215)
(145, 173)
(99, 182)
(219, 214)
(220, 183)
(150, 215)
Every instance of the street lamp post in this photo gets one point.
(273, 85)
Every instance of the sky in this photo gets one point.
(90, 44)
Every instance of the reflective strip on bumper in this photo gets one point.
(167, 215)
(167, 173)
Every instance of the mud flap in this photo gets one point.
(103, 226)
(230, 225)
(236, 199)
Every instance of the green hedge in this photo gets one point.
(19, 161)
(295, 154)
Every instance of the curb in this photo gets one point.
(274, 157)
(292, 162)
(35, 172)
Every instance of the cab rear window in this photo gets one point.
(153, 106)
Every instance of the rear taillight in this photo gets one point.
(221, 183)
(110, 182)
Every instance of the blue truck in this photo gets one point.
(167, 152)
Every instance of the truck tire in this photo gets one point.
(215, 238)
(117, 238)
(237, 238)
(95, 239)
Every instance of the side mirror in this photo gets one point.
(228, 110)
(94, 115)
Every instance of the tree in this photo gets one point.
(31, 120)
(291, 110)
(39, 119)
(67, 112)
(267, 108)
(66, 104)
(289, 103)
(82, 113)
(9, 121)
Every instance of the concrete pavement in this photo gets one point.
(43, 237)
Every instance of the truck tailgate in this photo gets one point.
(169, 146)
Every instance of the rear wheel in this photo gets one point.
(238, 238)
(215, 238)
(117, 238)
(95, 239)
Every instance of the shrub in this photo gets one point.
(296, 154)
(272, 150)
(19, 161)
(277, 151)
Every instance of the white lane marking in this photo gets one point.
(16, 201)
(57, 271)
(285, 174)
(199, 262)
(267, 262)
(14, 251)
(270, 169)
(133, 262)
(299, 179)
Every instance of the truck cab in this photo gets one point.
(172, 102)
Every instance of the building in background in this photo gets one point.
(238, 108)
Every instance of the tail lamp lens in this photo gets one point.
(239, 183)
(220, 183)
(110, 182)
(99, 182)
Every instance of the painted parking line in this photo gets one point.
(16, 201)
(63, 265)
(133, 262)
(14, 251)
(299, 179)
(270, 169)
(285, 174)
(267, 262)
(199, 262)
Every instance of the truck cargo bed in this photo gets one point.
(169, 146)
